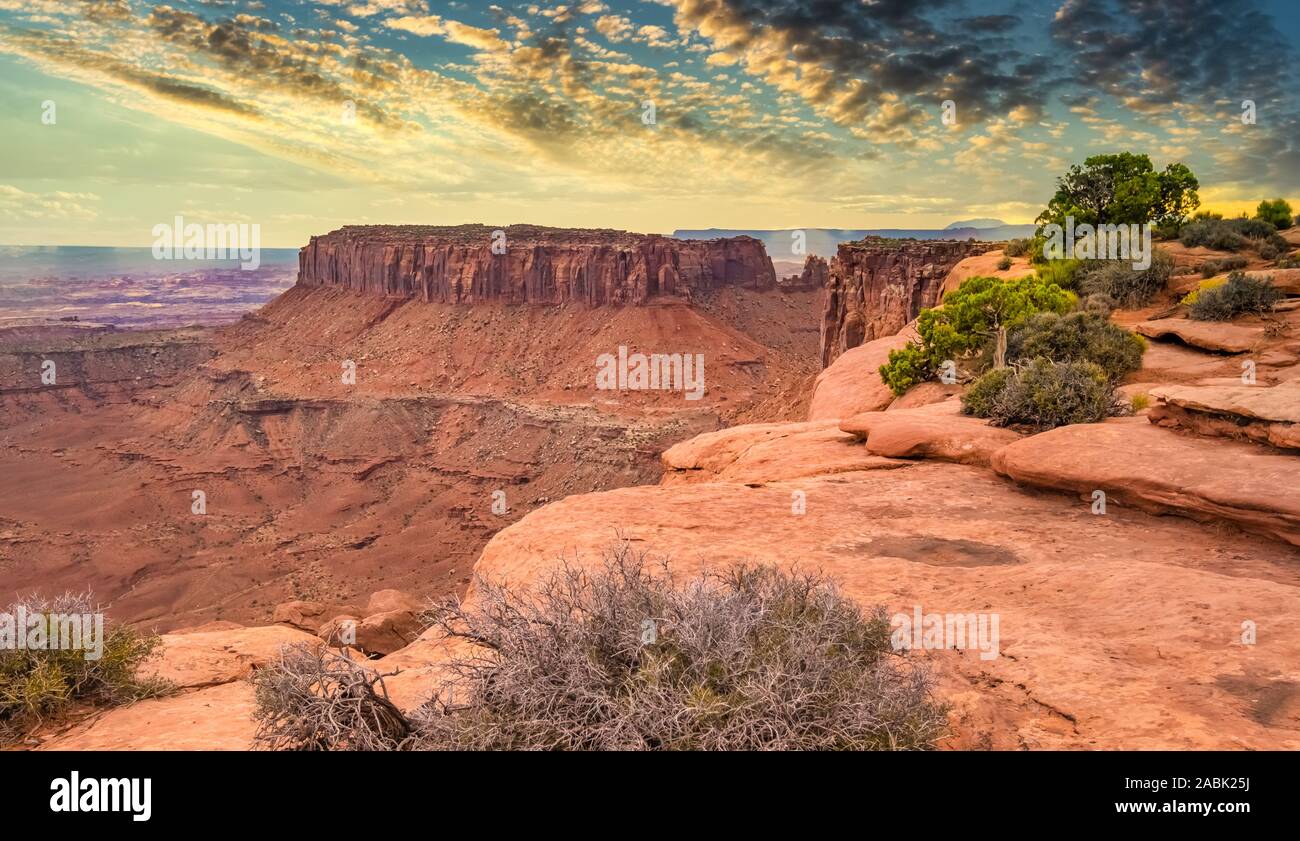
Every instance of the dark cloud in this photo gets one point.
(70, 54)
(917, 50)
(292, 67)
(1164, 52)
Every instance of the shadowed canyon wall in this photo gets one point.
(876, 286)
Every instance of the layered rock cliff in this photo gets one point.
(529, 264)
(876, 286)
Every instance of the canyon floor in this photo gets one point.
(1166, 619)
(320, 490)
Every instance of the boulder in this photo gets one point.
(852, 383)
(382, 633)
(1210, 335)
(766, 452)
(213, 657)
(215, 718)
(1117, 631)
(385, 601)
(1138, 464)
(925, 394)
(938, 431)
(307, 615)
(1269, 415)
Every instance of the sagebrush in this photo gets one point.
(626, 657)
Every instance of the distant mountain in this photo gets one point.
(977, 223)
(824, 241)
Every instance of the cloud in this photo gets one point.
(18, 205)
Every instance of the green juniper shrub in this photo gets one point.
(1276, 212)
(1128, 286)
(1237, 295)
(972, 317)
(1078, 337)
(1043, 394)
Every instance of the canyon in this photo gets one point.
(1120, 629)
(321, 489)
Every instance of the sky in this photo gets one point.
(645, 115)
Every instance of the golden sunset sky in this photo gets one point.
(781, 114)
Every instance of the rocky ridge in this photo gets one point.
(529, 264)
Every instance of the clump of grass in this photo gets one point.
(1140, 401)
(39, 684)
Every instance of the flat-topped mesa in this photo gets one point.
(877, 285)
(529, 264)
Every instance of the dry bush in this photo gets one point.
(312, 698)
(38, 684)
(626, 658)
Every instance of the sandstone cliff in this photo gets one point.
(878, 285)
(534, 264)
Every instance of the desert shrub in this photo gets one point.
(1276, 213)
(1044, 394)
(1237, 295)
(1078, 337)
(627, 658)
(312, 698)
(1191, 297)
(1219, 234)
(1268, 251)
(1128, 286)
(972, 317)
(1167, 229)
(908, 366)
(979, 397)
(1004, 264)
(1289, 261)
(1212, 267)
(1254, 228)
(1064, 273)
(1018, 248)
(1101, 304)
(40, 683)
